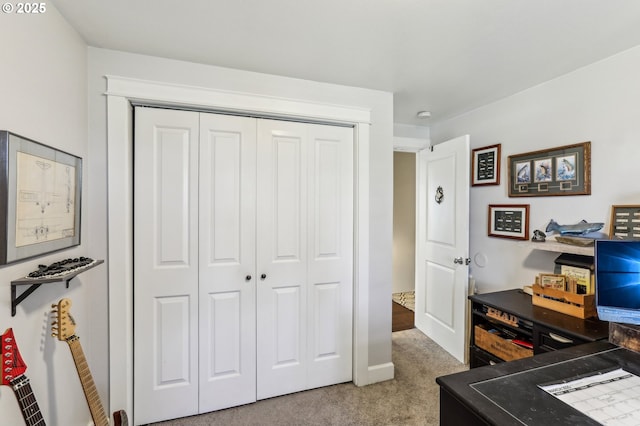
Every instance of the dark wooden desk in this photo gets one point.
(543, 327)
(507, 393)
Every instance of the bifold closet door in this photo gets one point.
(243, 260)
(166, 264)
(304, 256)
(227, 278)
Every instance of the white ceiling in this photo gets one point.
(444, 56)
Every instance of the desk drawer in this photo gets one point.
(547, 340)
(480, 358)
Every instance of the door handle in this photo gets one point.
(263, 276)
(460, 260)
(248, 278)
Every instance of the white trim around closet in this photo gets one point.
(121, 92)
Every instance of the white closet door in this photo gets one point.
(227, 261)
(305, 227)
(166, 264)
(330, 254)
(282, 258)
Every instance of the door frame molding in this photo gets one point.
(121, 93)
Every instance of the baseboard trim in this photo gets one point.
(381, 372)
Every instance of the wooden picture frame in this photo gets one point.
(554, 281)
(625, 222)
(508, 221)
(40, 189)
(565, 170)
(485, 165)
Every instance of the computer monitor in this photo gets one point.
(617, 273)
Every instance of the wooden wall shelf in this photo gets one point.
(34, 283)
(555, 246)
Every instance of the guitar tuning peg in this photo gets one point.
(54, 335)
(54, 322)
(53, 306)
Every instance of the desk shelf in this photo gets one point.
(34, 283)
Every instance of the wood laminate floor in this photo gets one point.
(401, 318)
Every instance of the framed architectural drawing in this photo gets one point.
(508, 221)
(565, 170)
(485, 165)
(40, 191)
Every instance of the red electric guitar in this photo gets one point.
(13, 368)
(63, 327)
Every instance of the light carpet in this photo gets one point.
(411, 398)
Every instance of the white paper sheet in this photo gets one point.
(611, 398)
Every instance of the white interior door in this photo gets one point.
(305, 227)
(330, 252)
(282, 258)
(166, 264)
(443, 244)
(227, 234)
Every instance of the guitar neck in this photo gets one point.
(88, 386)
(27, 401)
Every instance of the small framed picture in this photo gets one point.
(485, 166)
(625, 222)
(509, 221)
(555, 281)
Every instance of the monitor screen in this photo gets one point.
(617, 270)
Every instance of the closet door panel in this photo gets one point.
(166, 264)
(282, 258)
(227, 261)
(330, 244)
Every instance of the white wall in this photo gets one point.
(404, 221)
(44, 97)
(106, 62)
(598, 103)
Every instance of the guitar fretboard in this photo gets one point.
(88, 386)
(27, 401)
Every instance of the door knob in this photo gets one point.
(263, 276)
(248, 278)
(458, 261)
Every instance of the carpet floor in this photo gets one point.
(411, 398)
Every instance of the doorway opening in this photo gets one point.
(404, 240)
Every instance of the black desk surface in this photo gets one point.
(507, 393)
(519, 303)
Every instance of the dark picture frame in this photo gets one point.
(625, 222)
(565, 170)
(40, 191)
(508, 221)
(485, 165)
